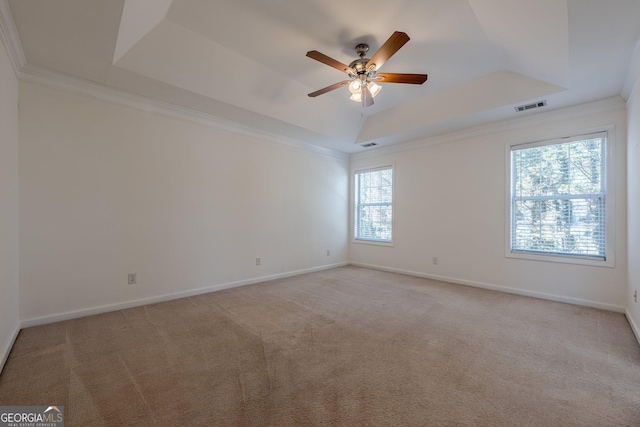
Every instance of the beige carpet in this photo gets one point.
(347, 347)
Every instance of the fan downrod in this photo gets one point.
(362, 49)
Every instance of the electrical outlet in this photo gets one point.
(132, 278)
(435, 260)
(258, 261)
(328, 252)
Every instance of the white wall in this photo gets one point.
(633, 207)
(8, 204)
(449, 203)
(106, 190)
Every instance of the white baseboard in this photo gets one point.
(524, 292)
(182, 294)
(7, 346)
(634, 327)
(167, 297)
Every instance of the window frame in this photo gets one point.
(354, 206)
(609, 195)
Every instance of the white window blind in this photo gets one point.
(374, 204)
(558, 197)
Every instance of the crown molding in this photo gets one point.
(9, 35)
(633, 73)
(97, 91)
(615, 103)
(47, 77)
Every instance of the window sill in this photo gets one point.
(609, 262)
(372, 242)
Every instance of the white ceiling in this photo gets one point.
(244, 60)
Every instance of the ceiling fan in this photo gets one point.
(363, 72)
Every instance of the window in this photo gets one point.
(558, 198)
(373, 204)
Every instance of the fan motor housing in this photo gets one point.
(360, 64)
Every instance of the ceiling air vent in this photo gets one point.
(369, 144)
(531, 106)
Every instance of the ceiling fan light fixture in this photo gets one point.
(374, 88)
(355, 86)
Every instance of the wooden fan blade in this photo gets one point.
(412, 79)
(329, 88)
(321, 57)
(391, 46)
(367, 98)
